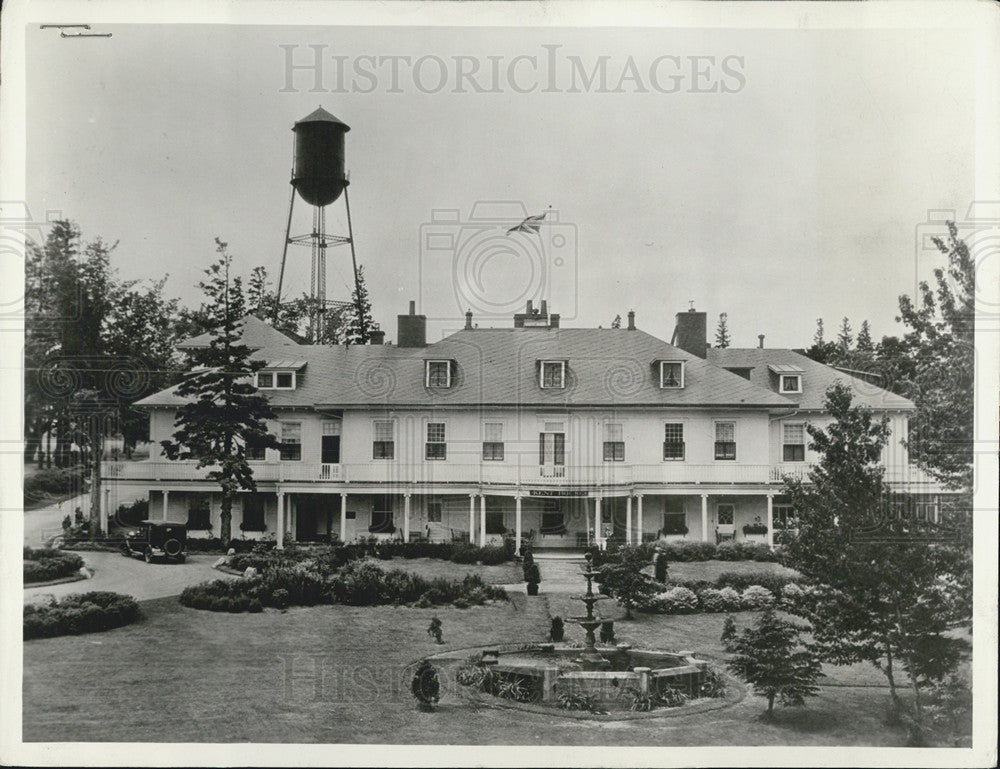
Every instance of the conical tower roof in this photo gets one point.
(320, 115)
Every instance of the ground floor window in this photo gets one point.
(199, 512)
(494, 522)
(434, 511)
(253, 512)
(674, 517)
(552, 519)
(784, 517)
(727, 514)
(382, 515)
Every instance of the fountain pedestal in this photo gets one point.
(590, 658)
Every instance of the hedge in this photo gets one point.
(45, 564)
(86, 613)
(278, 588)
(708, 551)
(702, 597)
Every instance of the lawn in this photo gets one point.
(334, 674)
(432, 568)
(710, 570)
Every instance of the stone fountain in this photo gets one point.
(590, 659)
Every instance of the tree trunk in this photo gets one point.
(226, 518)
(888, 671)
(97, 449)
(770, 707)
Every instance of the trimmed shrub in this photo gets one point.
(75, 614)
(490, 555)
(363, 583)
(660, 567)
(690, 551)
(679, 600)
(791, 594)
(757, 597)
(46, 564)
(773, 582)
(731, 600)
(711, 600)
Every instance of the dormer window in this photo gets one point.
(671, 374)
(789, 378)
(438, 374)
(791, 383)
(276, 380)
(553, 374)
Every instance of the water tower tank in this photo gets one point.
(319, 175)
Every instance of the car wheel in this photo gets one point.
(172, 547)
(125, 551)
(148, 555)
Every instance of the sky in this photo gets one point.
(778, 176)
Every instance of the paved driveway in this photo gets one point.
(134, 577)
(48, 520)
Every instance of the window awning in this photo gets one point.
(784, 368)
(285, 364)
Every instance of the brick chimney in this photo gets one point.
(376, 337)
(760, 341)
(411, 329)
(468, 320)
(631, 320)
(691, 332)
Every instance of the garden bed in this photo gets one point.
(47, 565)
(76, 614)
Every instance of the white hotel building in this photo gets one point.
(560, 435)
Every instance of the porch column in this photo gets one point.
(704, 517)
(638, 517)
(406, 517)
(343, 517)
(597, 521)
(517, 525)
(482, 520)
(280, 539)
(166, 498)
(770, 520)
(628, 520)
(472, 519)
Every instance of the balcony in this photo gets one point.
(497, 473)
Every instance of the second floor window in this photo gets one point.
(673, 441)
(793, 447)
(725, 440)
(614, 442)
(436, 446)
(291, 441)
(383, 442)
(553, 374)
(493, 442)
(438, 373)
(254, 453)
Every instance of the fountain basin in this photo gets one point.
(552, 669)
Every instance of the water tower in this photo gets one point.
(319, 178)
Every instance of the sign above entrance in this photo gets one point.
(557, 493)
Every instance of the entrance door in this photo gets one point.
(315, 515)
(305, 518)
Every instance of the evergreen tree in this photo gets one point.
(888, 588)
(722, 331)
(359, 314)
(821, 350)
(617, 322)
(771, 658)
(258, 292)
(864, 341)
(818, 336)
(223, 413)
(845, 336)
(623, 579)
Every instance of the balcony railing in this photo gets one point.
(497, 473)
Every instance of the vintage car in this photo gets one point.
(157, 539)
